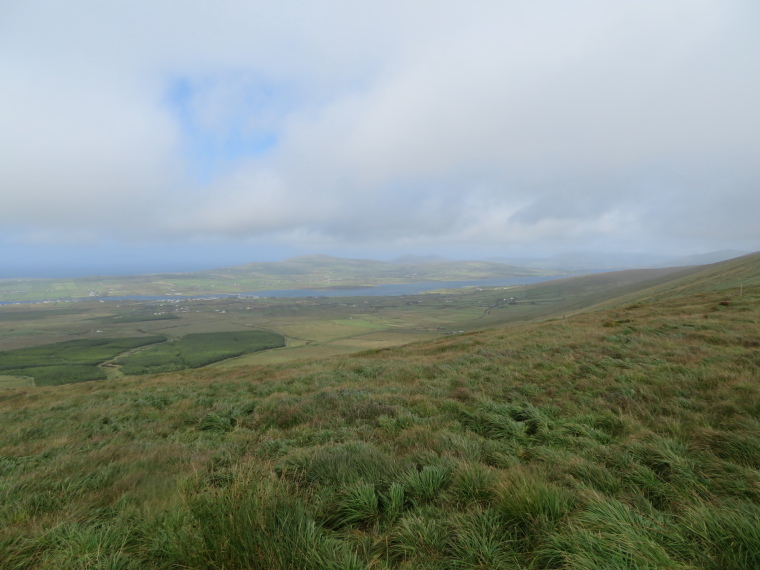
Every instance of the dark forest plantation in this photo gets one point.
(621, 435)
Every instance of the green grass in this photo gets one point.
(196, 350)
(69, 361)
(15, 382)
(15, 314)
(135, 318)
(619, 438)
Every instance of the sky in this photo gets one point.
(150, 136)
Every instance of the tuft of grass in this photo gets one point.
(480, 539)
(532, 506)
(258, 523)
(358, 505)
(420, 541)
(728, 535)
(427, 484)
(473, 483)
(340, 465)
(216, 422)
(611, 534)
(394, 502)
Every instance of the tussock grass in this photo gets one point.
(621, 438)
(258, 523)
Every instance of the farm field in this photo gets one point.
(313, 327)
(68, 361)
(316, 271)
(620, 435)
(196, 350)
(15, 382)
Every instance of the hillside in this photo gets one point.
(310, 271)
(328, 271)
(626, 436)
(730, 276)
(578, 293)
(596, 261)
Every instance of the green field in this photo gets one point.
(316, 271)
(313, 327)
(196, 350)
(15, 382)
(69, 361)
(134, 318)
(619, 434)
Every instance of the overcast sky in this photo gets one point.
(150, 134)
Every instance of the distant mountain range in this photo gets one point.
(415, 259)
(325, 269)
(327, 272)
(303, 272)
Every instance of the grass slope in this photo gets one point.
(563, 296)
(731, 277)
(620, 438)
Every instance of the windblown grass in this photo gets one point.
(625, 438)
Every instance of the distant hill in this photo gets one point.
(732, 276)
(327, 269)
(303, 272)
(324, 272)
(596, 261)
(703, 258)
(415, 259)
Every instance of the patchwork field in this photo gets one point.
(196, 350)
(315, 271)
(313, 327)
(69, 361)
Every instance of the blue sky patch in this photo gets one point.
(226, 118)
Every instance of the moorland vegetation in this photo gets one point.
(625, 435)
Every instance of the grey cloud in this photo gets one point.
(407, 123)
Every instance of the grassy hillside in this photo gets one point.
(563, 296)
(311, 271)
(731, 277)
(623, 437)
